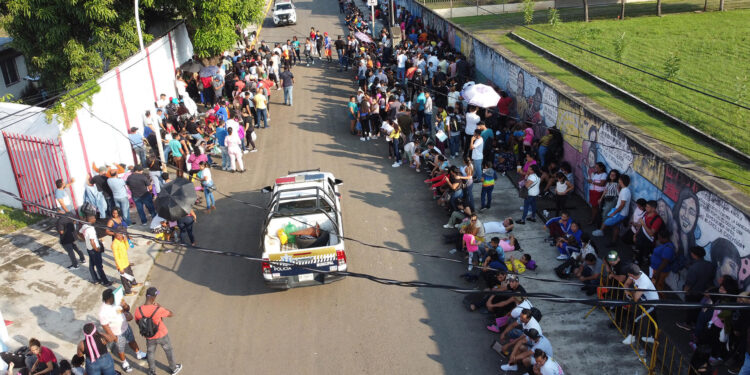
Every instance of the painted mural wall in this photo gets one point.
(693, 214)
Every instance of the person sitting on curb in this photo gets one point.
(558, 226)
(523, 353)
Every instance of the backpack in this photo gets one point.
(146, 325)
(536, 313)
(564, 270)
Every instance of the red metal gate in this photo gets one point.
(37, 163)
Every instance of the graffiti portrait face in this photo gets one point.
(519, 84)
(591, 157)
(688, 214)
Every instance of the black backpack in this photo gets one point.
(536, 313)
(146, 325)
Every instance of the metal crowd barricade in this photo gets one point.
(658, 352)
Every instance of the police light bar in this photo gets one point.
(300, 178)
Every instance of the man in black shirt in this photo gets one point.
(340, 46)
(140, 188)
(67, 230)
(100, 181)
(617, 268)
(700, 276)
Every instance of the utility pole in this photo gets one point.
(138, 25)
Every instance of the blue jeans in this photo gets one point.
(745, 370)
(102, 366)
(396, 151)
(96, 268)
(209, 193)
(340, 54)
(456, 194)
(124, 205)
(401, 74)
(455, 144)
(225, 163)
(529, 207)
(477, 168)
(428, 122)
(469, 196)
(141, 152)
(542, 152)
(147, 200)
(486, 197)
(288, 95)
(261, 114)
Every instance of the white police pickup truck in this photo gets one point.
(284, 13)
(303, 227)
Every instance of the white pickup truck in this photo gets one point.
(284, 13)
(303, 227)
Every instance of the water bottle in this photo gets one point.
(130, 242)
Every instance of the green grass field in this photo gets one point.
(713, 61)
(12, 219)
(695, 149)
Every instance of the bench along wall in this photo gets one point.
(694, 214)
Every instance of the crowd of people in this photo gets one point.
(410, 94)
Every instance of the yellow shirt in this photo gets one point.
(260, 100)
(395, 134)
(520, 267)
(120, 251)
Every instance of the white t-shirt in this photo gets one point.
(533, 324)
(477, 152)
(516, 312)
(624, 196)
(472, 119)
(551, 368)
(494, 227)
(598, 177)
(401, 60)
(534, 188)
(112, 316)
(637, 216)
(645, 283)
(409, 148)
(207, 175)
(89, 233)
(231, 124)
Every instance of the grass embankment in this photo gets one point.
(12, 219)
(709, 61)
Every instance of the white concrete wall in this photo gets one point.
(468, 10)
(17, 88)
(127, 91)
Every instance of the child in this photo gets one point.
(470, 241)
(520, 265)
(204, 176)
(77, 363)
(488, 184)
(120, 250)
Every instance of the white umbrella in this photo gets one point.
(480, 95)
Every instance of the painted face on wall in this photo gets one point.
(728, 267)
(591, 159)
(688, 215)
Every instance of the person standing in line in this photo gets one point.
(472, 119)
(489, 175)
(114, 321)
(233, 143)
(699, 277)
(100, 181)
(261, 109)
(120, 195)
(67, 229)
(287, 82)
(529, 203)
(247, 107)
(221, 137)
(140, 187)
(95, 249)
(156, 313)
(120, 248)
(186, 226)
(427, 115)
(62, 198)
(138, 142)
(178, 154)
(207, 182)
(477, 153)
(93, 196)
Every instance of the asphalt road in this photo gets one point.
(226, 321)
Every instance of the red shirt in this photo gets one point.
(147, 311)
(503, 105)
(46, 355)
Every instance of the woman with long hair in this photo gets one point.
(94, 348)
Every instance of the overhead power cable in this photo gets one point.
(410, 284)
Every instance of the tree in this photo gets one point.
(528, 11)
(622, 10)
(658, 8)
(70, 43)
(585, 10)
(211, 24)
